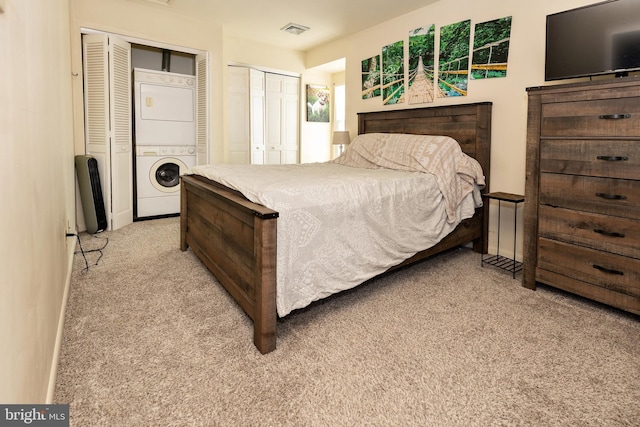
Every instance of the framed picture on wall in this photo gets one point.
(318, 105)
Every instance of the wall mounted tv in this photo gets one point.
(603, 38)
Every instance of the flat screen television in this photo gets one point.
(603, 38)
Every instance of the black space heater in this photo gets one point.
(95, 216)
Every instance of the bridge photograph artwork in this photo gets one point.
(421, 65)
(371, 77)
(491, 49)
(453, 60)
(393, 73)
(437, 71)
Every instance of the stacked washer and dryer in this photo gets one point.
(165, 139)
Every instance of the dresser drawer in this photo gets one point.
(607, 296)
(615, 272)
(596, 118)
(604, 158)
(607, 196)
(606, 233)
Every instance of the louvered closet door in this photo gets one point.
(107, 97)
(202, 131)
(121, 133)
(96, 110)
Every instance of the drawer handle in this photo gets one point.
(611, 196)
(613, 158)
(608, 270)
(607, 233)
(615, 116)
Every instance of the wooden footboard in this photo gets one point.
(236, 240)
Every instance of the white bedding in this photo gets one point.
(341, 225)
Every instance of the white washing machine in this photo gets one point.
(158, 170)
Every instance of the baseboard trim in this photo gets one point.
(51, 389)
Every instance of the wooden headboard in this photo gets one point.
(469, 124)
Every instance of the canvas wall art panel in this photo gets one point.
(421, 74)
(491, 49)
(318, 104)
(393, 73)
(453, 59)
(371, 77)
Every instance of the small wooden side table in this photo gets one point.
(508, 264)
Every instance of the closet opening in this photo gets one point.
(109, 62)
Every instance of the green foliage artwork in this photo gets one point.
(371, 77)
(421, 65)
(318, 104)
(491, 49)
(385, 75)
(393, 73)
(453, 65)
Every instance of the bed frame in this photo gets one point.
(236, 239)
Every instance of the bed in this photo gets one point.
(237, 239)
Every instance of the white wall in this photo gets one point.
(315, 137)
(37, 194)
(508, 95)
(337, 79)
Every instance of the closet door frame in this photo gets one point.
(108, 130)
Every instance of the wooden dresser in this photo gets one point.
(582, 210)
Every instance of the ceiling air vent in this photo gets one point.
(162, 2)
(294, 28)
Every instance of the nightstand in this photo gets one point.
(505, 263)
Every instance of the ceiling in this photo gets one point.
(261, 20)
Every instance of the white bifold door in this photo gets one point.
(263, 117)
(282, 111)
(108, 133)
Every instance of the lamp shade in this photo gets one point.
(341, 137)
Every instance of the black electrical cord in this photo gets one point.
(84, 253)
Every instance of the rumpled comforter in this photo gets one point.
(455, 172)
(341, 225)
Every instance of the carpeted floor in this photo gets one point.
(151, 339)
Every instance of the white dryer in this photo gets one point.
(158, 170)
(164, 106)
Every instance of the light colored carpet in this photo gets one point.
(152, 339)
